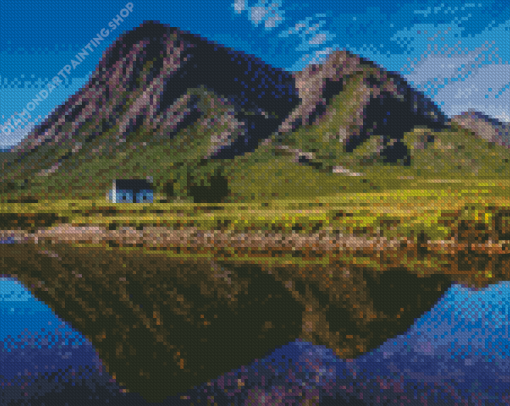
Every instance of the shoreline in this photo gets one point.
(473, 264)
(193, 237)
(322, 241)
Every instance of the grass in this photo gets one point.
(418, 207)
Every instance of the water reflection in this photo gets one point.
(456, 340)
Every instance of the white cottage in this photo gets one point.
(131, 191)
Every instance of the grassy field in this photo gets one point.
(417, 205)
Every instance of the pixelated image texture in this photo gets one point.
(142, 143)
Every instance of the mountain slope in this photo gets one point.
(187, 112)
(143, 87)
(484, 127)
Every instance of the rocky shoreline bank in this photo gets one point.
(162, 237)
(193, 237)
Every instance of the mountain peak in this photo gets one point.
(159, 86)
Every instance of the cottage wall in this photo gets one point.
(131, 191)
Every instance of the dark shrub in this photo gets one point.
(11, 186)
(396, 151)
(7, 187)
(168, 189)
(215, 193)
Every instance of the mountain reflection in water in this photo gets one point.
(457, 353)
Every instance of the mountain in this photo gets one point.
(484, 127)
(384, 103)
(153, 83)
(168, 104)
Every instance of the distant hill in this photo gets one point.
(167, 104)
(485, 127)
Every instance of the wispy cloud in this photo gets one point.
(457, 69)
(264, 11)
(465, 75)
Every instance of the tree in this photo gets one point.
(168, 189)
(215, 193)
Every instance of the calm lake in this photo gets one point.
(457, 353)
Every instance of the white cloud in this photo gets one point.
(459, 82)
(318, 39)
(429, 10)
(504, 116)
(272, 22)
(257, 14)
(261, 12)
(456, 70)
(321, 56)
(239, 6)
(469, 74)
(18, 97)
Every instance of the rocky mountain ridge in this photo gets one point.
(150, 69)
(484, 126)
(159, 86)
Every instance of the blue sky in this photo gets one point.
(458, 52)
